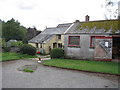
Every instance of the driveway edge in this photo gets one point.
(80, 70)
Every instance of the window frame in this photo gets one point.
(69, 41)
(92, 41)
(98, 37)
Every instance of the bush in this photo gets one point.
(18, 43)
(28, 49)
(41, 52)
(3, 42)
(57, 53)
(6, 49)
(38, 52)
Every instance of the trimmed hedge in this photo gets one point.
(28, 49)
(57, 53)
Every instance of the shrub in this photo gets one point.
(41, 52)
(3, 42)
(57, 53)
(28, 49)
(38, 52)
(6, 49)
(18, 43)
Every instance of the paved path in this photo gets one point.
(49, 77)
(41, 59)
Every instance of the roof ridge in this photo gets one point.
(50, 27)
(101, 20)
(64, 23)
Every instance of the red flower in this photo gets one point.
(38, 53)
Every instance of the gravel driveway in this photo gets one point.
(49, 77)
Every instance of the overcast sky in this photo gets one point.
(50, 13)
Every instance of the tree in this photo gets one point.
(13, 30)
(118, 10)
(0, 28)
(111, 9)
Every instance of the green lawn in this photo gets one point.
(94, 66)
(14, 56)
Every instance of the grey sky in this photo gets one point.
(50, 13)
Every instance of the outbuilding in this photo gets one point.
(93, 40)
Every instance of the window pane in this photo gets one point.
(74, 40)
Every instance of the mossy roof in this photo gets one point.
(107, 25)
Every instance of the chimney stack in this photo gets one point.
(76, 21)
(87, 18)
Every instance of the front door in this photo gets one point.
(103, 48)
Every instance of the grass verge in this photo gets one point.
(94, 66)
(27, 70)
(14, 56)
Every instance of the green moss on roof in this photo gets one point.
(103, 24)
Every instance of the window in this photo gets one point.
(74, 41)
(59, 45)
(59, 36)
(36, 45)
(55, 45)
(92, 41)
(40, 45)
